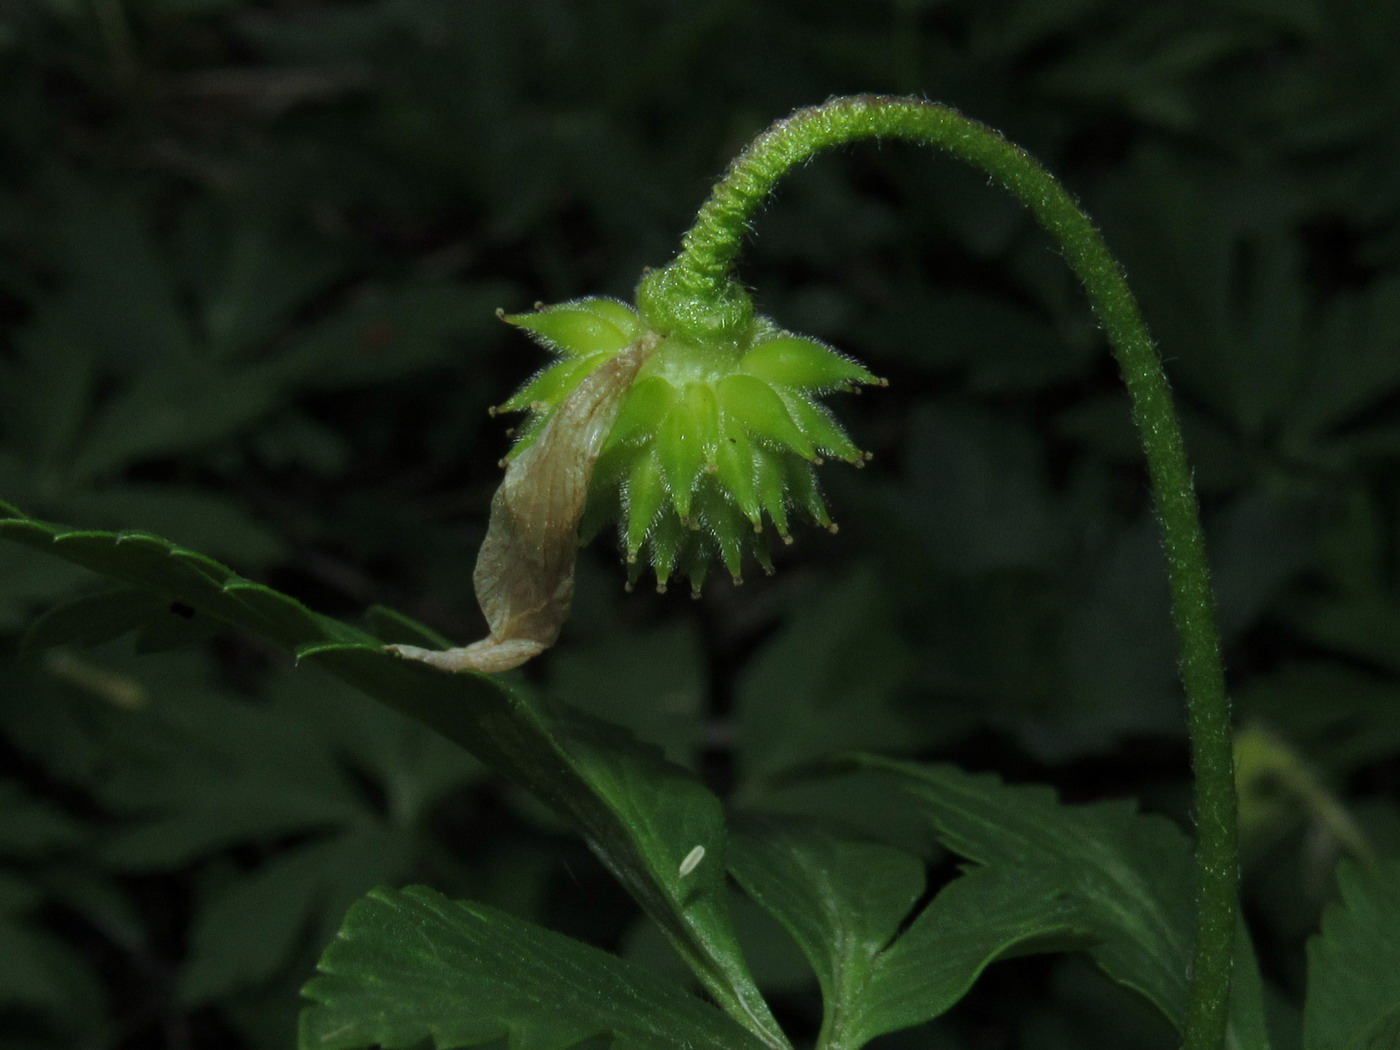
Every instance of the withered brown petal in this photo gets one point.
(524, 574)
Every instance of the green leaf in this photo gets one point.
(144, 348)
(38, 970)
(1132, 873)
(827, 682)
(411, 965)
(841, 900)
(1365, 625)
(980, 917)
(96, 618)
(639, 813)
(1354, 964)
(664, 813)
(248, 928)
(190, 772)
(845, 902)
(154, 564)
(194, 772)
(121, 297)
(157, 414)
(652, 681)
(248, 276)
(1352, 371)
(211, 521)
(30, 583)
(32, 826)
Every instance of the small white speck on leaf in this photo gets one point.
(692, 861)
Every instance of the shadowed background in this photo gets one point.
(249, 258)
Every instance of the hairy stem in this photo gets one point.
(697, 293)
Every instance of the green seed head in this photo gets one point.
(716, 440)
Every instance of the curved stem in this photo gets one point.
(698, 290)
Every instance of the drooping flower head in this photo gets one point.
(716, 441)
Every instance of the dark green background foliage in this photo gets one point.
(249, 254)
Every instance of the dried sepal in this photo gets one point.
(524, 574)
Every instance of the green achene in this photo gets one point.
(715, 440)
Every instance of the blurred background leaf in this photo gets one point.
(250, 252)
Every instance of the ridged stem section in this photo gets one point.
(697, 291)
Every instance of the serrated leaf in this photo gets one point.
(243, 934)
(208, 520)
(157, 565)
(411, 965)
(844, 902)
(182, 359)
(980, 917)
(639, 813)
(191, 772)
(1132, 872)
(1354, 964)
(278, 616)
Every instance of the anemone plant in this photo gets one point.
(695, 424)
